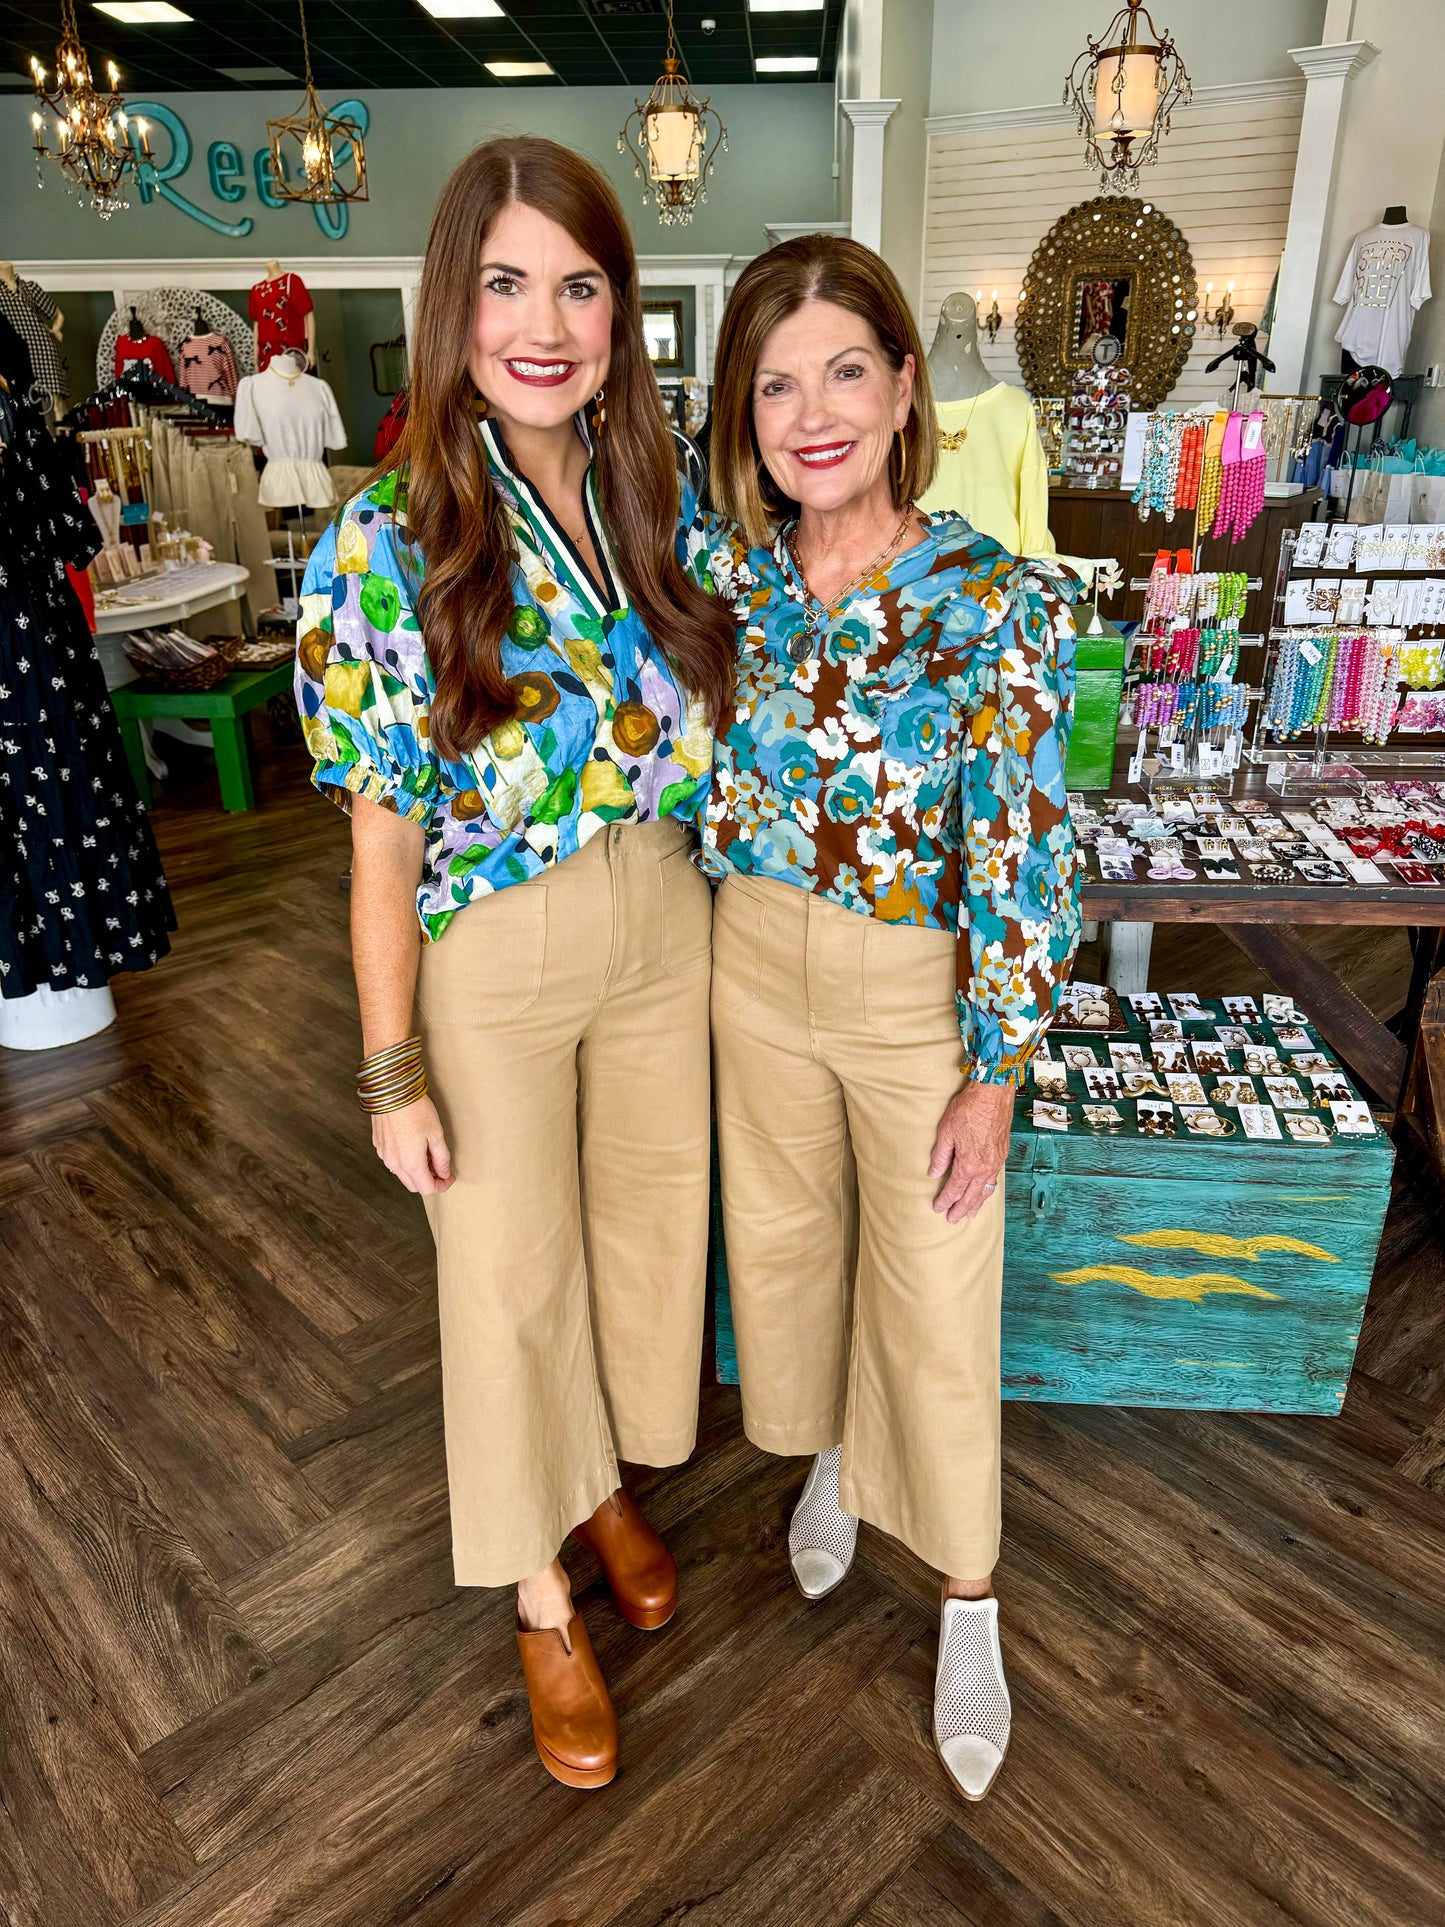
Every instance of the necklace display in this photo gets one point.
(815, 612)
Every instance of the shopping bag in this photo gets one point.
(1427, 498)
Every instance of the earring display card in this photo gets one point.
(1259, 1121)
(1353, 1119)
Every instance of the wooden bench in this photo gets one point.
(224, 706)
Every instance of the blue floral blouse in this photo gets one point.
(909, 764)
(603, 733)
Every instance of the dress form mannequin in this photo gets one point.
(991, 467)
(1385, 282)
(954, 362)
(55, 322)
(1394, 217)
(273, 272)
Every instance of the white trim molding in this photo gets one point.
(777, 231)
(869, 120)
(1055, 114)
(1327, 70)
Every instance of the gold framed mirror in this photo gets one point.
(1109, 267)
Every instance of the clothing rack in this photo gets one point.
(143, 385)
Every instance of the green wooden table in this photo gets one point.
(224, 707)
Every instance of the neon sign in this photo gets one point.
(227, 172)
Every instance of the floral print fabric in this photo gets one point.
(603, 734)
(911, 765)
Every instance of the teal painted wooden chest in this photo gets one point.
(1223, 1275)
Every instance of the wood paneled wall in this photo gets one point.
(997, 183)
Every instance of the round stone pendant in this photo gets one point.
(800, 648)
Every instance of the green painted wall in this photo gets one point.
(778, 168)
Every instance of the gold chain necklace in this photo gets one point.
(952, 441)
(814, 611)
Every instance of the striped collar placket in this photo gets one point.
(538, 529)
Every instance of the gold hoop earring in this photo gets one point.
(902, 462)
(599, 412)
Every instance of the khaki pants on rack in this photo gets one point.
(565, 1023)
(861, 1314)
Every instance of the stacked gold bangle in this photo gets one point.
(389, 1079)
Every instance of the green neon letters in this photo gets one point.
(226, 171)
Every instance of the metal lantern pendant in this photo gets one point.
(676, 138)
(1124, 89)
(327, 149)
(97, 149)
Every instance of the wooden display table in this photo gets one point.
(224, 706)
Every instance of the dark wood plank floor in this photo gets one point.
(238, 1688)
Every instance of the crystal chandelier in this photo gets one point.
(1124, 89)
(96, 148)
(668, 135)
(324, 145)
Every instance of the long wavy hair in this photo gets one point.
(455, 516)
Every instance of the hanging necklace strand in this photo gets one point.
(814, 602)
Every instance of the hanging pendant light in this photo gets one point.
(1124, 89)
(670, 137)
(97, 151)
(328, 148)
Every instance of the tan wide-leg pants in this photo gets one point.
(861, 1314)
(565, 1023)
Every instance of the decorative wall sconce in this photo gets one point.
(993, 320)
(1222, 315)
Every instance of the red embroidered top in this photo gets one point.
(152, 349)
(279, 309)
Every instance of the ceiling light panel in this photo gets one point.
(142, 13)
(518, 69)
(787, 63)
(464, 9)
(786, 6)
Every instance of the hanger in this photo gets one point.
(141, 384)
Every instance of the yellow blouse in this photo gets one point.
(991, 470)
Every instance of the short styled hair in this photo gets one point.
(774, 285)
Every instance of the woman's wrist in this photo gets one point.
(390, 1079)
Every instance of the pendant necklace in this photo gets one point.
(816, 612)
(951, 441)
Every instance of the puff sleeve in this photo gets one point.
(363, 684)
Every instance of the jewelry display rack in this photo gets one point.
(1185, 750)
(1328, 763)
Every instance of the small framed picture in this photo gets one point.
(1259, 1121)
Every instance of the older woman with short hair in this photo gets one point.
(898, 910)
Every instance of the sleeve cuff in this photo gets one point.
(1000, 1076)
(343, 781)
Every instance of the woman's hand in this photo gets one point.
(971, 1148)
(411, 1144)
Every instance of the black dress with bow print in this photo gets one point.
(82, 893)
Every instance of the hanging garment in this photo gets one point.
(30, 312)
(1385, 279)
(210, 484)
(279, 309)
(991, 470)
(82, 893)
(207, 367)
(152, 349)
(294, 418)
(171, 314)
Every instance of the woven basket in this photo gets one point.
(188, 678)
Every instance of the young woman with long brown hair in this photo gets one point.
(509, 665)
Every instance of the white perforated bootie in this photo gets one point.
(823, 1537)
(971, 1708)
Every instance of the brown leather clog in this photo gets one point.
(640, 1570)
(573, 1721)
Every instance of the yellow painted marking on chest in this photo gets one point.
(1305, 1197)
(1219, 1244)
(1152, 1284)
(1219, 1364)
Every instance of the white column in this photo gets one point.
(869, 118)
(1327, 72)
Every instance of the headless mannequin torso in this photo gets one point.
(274, 271)
(954, 362)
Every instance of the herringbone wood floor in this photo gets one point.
(238, 1688)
